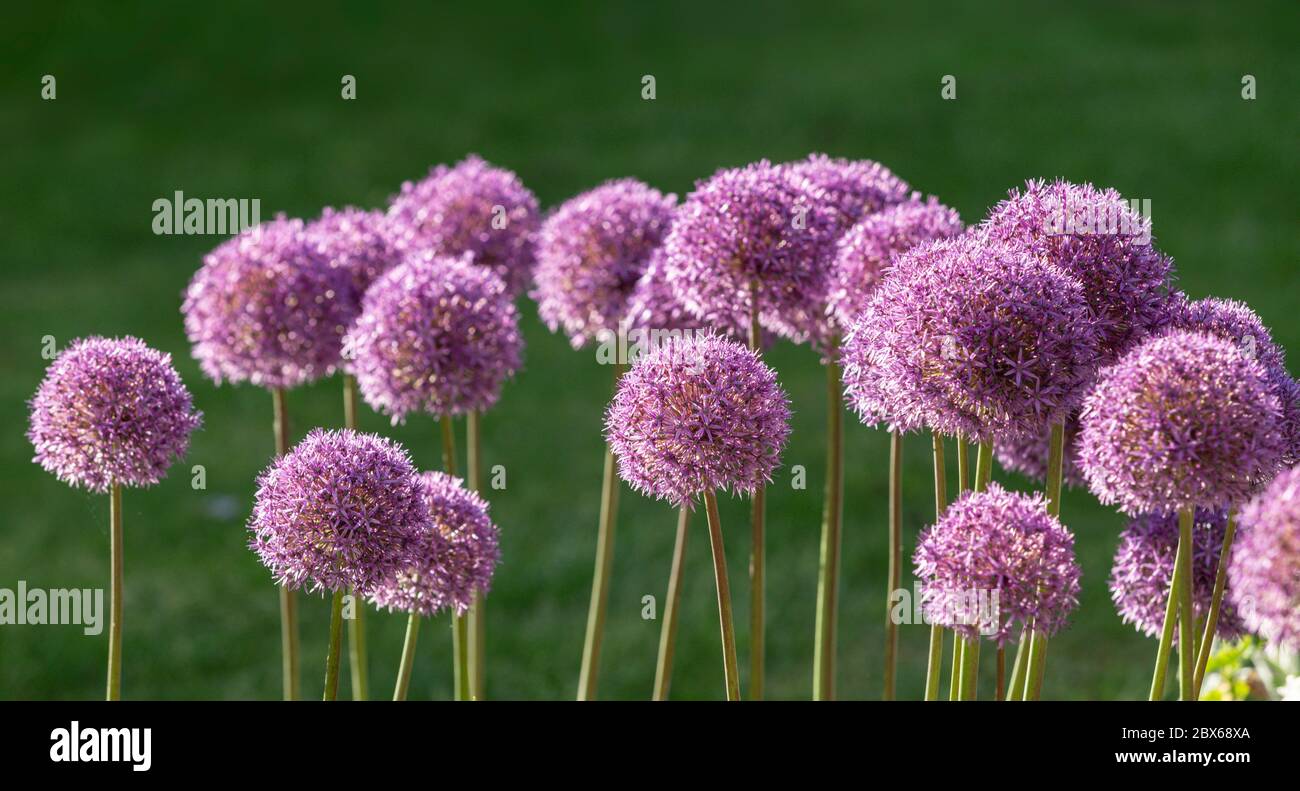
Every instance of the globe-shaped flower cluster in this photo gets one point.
(865, 250)
(436, 335)
(356, 242)
(753, 233)
(695, 415)
(338, 512)
(1096, 236)
(1264, 571)
(970, 336)
(267, 308)
(450, 560)
(1144, 568)
(1003, 543)
(853, 188)
(592, 252)
(111, 411)
(472, 208)
(1183, 420)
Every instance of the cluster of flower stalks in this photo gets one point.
(1048, 337)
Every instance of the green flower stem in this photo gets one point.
(829, 567)
(460, 654)
(1037, 664)
(288, 599)
(970, 665)
(1167, 633)
(600, 579)
(730, 669)
(335, 655)
(1186, 615)
(357, 663)
(408, 657)
(115, 594)
(958, 662)
(477, 628)
(934, 668)
(758, 555)
(895, 558)
(672, 606)
(1016, 689)
(984, 466)
(963, 466)
(1216, 602)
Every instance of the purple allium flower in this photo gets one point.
(753, 229)
(1236, 322)
(592, 251)
(695, 415)
(337, 512)
(864, 251)
(1264, 571)
(450, 560)
(1096, 236)
(473, 208)
(1144, 569)
(356, 242)
(654, 306)
(854, 188)
(1182, 420)
(436, 335)
(973, 337)
(1027, 454)
(1003, 543)
(266, 308)
(111, 411)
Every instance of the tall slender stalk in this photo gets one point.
(1216, 603)
(357, 661)
(895, 558)
(970, 665)
(335, 655)
(963, 465)
(288, 599)
(757, 555)
(600, 579)
(460, 650)
(1167, 632)
(829, 567)
(477, 628)
(115, 593)
(672, 606)
(730, 668)
(934, 668)
(1016, 687)
(1037, 659)
(408, 657)
(1186, 615)
(958, 644)
(984, 466)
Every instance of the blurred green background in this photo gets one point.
(246, 104)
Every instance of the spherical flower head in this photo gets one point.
(653, 305)
(111, 411)
(1237, 323)
(983, 339)
(337, 512)
(753, 231)
(1099, 238)
(1264, 571)
(1144, 569)
(357, 243)
(864, 251)
(473, 208)
(1183, 420)
(695, 415)
(854, 188)
(592, 251)
(449, 561)
(266, 308)
(1027, 454)
(435, 335)
(1003, 544)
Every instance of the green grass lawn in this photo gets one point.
(218, 104)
